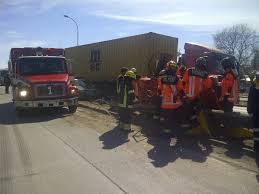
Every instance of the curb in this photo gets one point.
(98, 110)
(247, 151)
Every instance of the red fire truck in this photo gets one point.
(41, 78)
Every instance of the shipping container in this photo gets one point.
(102, 61)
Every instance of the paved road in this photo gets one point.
(56, 153)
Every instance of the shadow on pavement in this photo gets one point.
(235, 148)
(8, 115)
(188, 148)
(114, 138)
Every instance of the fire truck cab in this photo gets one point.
(41, 79)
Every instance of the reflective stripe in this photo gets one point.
(118, 87)
(234, 90)
(191, 88)
(131, 91)
(256, 129)
(121, 105)
(125, 96)
(173, 92)
(200, 85)
(256, 138)
(127, 126)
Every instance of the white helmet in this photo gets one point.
(134, 70)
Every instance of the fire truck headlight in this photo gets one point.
(73, 91)
(23, 93)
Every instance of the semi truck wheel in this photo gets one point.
(72, 109)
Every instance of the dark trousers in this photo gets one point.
(227, 106)
(125, 117)
(256, 132)
(7, 89)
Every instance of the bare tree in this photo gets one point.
(239, 41)
(255, 61)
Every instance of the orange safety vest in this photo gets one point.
(170, 93)
(229, 87)
(195, 84)
(207, 84)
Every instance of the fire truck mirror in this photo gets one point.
(69, 67)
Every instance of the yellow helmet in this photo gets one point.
(171, 64)
(131, 74)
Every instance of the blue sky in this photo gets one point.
(41, 22)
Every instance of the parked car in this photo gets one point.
(86, 89)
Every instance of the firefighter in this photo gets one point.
(196, 79)
(196, 82)
(171, 90)
(253, 110)
(120, 79)
(7, 83)
(127, 98)
(229, 87)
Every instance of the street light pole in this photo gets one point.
(77, 32)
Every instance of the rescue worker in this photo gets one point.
(229, 89)
(196, 79)
(196, 82)
(171, 90)
(7, 83)
(119, 84)
(126, 100)
(253, 110)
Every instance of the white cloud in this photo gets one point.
(122, 34)
(169, 12)
(13, 34)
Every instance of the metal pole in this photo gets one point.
(77, 31)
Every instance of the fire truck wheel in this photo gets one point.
(72, 109)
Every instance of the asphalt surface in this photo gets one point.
(52, 152)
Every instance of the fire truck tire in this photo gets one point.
(72, 109)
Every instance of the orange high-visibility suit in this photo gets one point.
(196, 82)
(229, 87)
(171, 88)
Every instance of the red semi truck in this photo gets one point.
(147, 86)
(41, 78)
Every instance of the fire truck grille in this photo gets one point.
(49, 90)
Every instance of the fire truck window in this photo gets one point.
(34, 66)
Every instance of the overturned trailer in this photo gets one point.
(102, 61)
